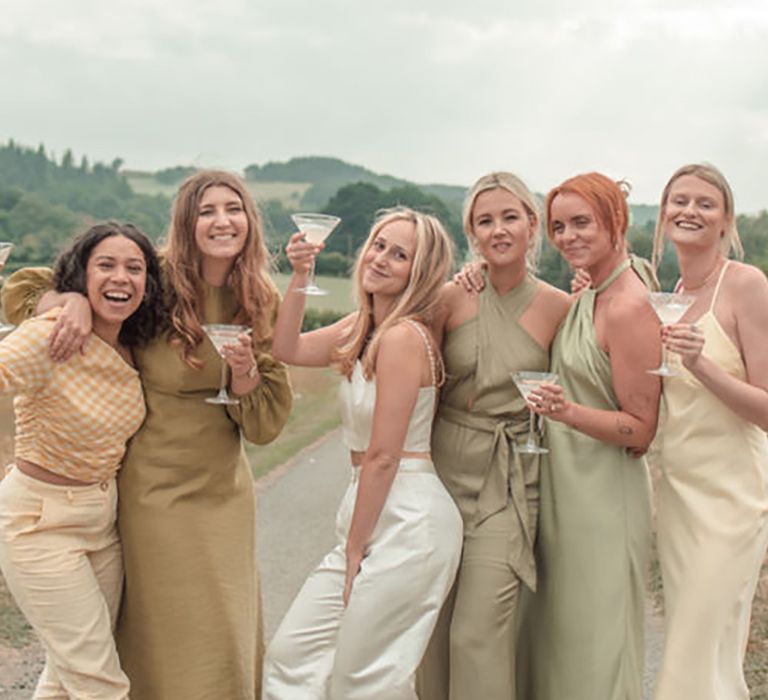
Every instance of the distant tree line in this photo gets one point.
(45, 200)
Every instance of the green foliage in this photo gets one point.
(319, 318)
(173, 176)
(358, 203)
(42, 203)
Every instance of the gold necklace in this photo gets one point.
(709, 276)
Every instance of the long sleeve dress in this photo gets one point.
(190, 624)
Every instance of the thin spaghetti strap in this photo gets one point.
(717, 288)
(430, 352)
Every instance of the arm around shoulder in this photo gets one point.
(22, 292)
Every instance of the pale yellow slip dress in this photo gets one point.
(712, 529)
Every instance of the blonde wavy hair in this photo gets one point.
(256, 295)
(730, 241)
(515, 186)
(431, 265)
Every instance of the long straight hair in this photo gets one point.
(432, 263)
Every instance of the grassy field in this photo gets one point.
(289, 194)
(339, 297)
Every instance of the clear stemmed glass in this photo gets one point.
(526, 382)
(5, 251)
(316, 228)
(222, 334)
(670, 308)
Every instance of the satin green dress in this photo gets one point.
(583, 631)
(481, 417)
(190, 622)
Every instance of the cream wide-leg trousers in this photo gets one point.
(371, 649)
(61, 558)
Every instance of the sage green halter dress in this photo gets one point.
(583, 631)
(480, 419)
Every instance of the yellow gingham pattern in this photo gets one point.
(72, 418)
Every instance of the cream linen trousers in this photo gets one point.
(371, 649)
(61, 558)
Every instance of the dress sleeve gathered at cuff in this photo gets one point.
(22, 291)
(262, 413)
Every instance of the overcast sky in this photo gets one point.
(432, 91)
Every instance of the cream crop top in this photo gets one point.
(357, 400)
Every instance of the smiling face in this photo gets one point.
(387, 262)
(116, 276)
(501, 227)
(694, 213)
(221, 228)
(577, 233)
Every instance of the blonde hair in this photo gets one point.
(730, 241)
(431, 265)
(256, 294)
(516, 187)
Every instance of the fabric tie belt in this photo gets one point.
(502, 476)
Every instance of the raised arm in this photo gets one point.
(315, 348)
(401, 367)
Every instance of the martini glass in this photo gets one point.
(5, 251)
(221, 334)
(670, 308)
(526, 382)
(316, 228)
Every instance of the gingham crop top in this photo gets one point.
(72, 418)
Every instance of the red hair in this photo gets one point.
(607, 199)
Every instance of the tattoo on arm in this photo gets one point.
(625, 429)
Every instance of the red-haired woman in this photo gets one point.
(713, 492)
(586, 619)
(190, 623)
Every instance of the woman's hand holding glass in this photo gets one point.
(242, 362)
(549, 400)
(301, 253)
(685, 340)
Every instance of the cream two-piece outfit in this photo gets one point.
(59, 549)
(712, 528)
(371, 649)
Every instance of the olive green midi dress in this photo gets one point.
(583, 629)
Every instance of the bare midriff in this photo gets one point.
(46, 475)
(357, 457)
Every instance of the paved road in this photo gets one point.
(297, 505)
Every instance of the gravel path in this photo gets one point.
(297, 505)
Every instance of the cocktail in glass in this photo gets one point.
(5, 251)
(670, 308)
(316, 228)
(221, 334)
(526, 382)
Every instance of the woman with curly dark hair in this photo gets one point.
(59, 548)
